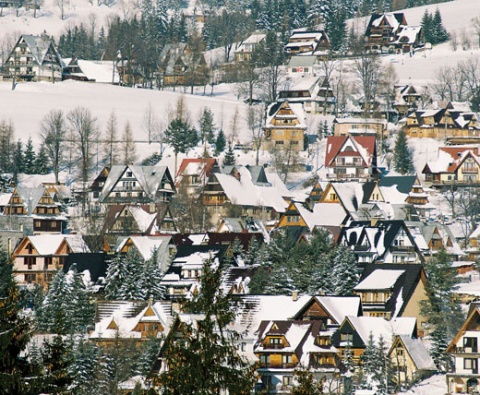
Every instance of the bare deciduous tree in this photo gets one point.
(54, 131)
(84, 135)
(369, 73)
(128, 145)
(255, 121)
(110, 142)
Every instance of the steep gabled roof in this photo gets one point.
(148, 177)
(417, 351)
(363, 145)
(403, 277)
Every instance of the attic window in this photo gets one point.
(129, 174)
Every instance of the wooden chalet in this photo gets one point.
(137, 185)
(389, 33)
(452, 122)
(354, 333)
(465, 377)
(37, 258)
(285, 126)
(393, 290)
(410, 360)
(351, 157)
(34, 58)
(455, 166)
(38, 204)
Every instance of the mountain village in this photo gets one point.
(338, 225)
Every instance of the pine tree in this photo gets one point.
(206, 360)
(402, 155)
(383, 374)
(15, 330)
(79, 303)
(345, 275)
(29, 157)
(229, 159)
(53, 317)
(305, 383)
(220, 142)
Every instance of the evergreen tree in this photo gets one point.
(383, 374)
(402, 155)
(442, 310)
(345, 275)
(29, 157)
(369, 363)
(152, 276)
(438, 31)
(220, 142)
(83, 368)
(229, 159)
(426, 24)
(15, 330)
(67, 307)
(207, 127)
(57, 358)
(181, 136)
(41, 161)
(18, 159)
(205, 359)
(305, 383)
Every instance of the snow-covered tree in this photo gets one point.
(345, 275)
(15, 330)
(205, 360)
(442, 310)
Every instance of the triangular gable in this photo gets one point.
(113, 325)
(472, 323)
(292, 212)
(314, 309)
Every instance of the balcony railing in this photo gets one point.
(276, 346)
(403, 248)
(466, 350)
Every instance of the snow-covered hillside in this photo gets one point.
(28, 103)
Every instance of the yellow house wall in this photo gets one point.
(412, 309)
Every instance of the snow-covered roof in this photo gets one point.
(379, 326)
(419, 353)
(48, 244)
(380, 279)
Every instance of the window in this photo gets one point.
(346, 337)
(470, 343)
(30, 278)
(275, 340)
(470, 363)
(287, 381)
(287, 359)
(48, 261)
(29, 261)
(265, 359)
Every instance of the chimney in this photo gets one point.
(295, 295)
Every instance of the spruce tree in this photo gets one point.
(426, 24)
(205, 360)
(29, 156)
(345, 275)
(220, 142)
(181, 137)
(402, 155)
(152, 276)
(229, 159)
(15, 331)
(207, 127)
(42, 161)
(438, 31)
(57, 358)
(18, 159)
(442, 310)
